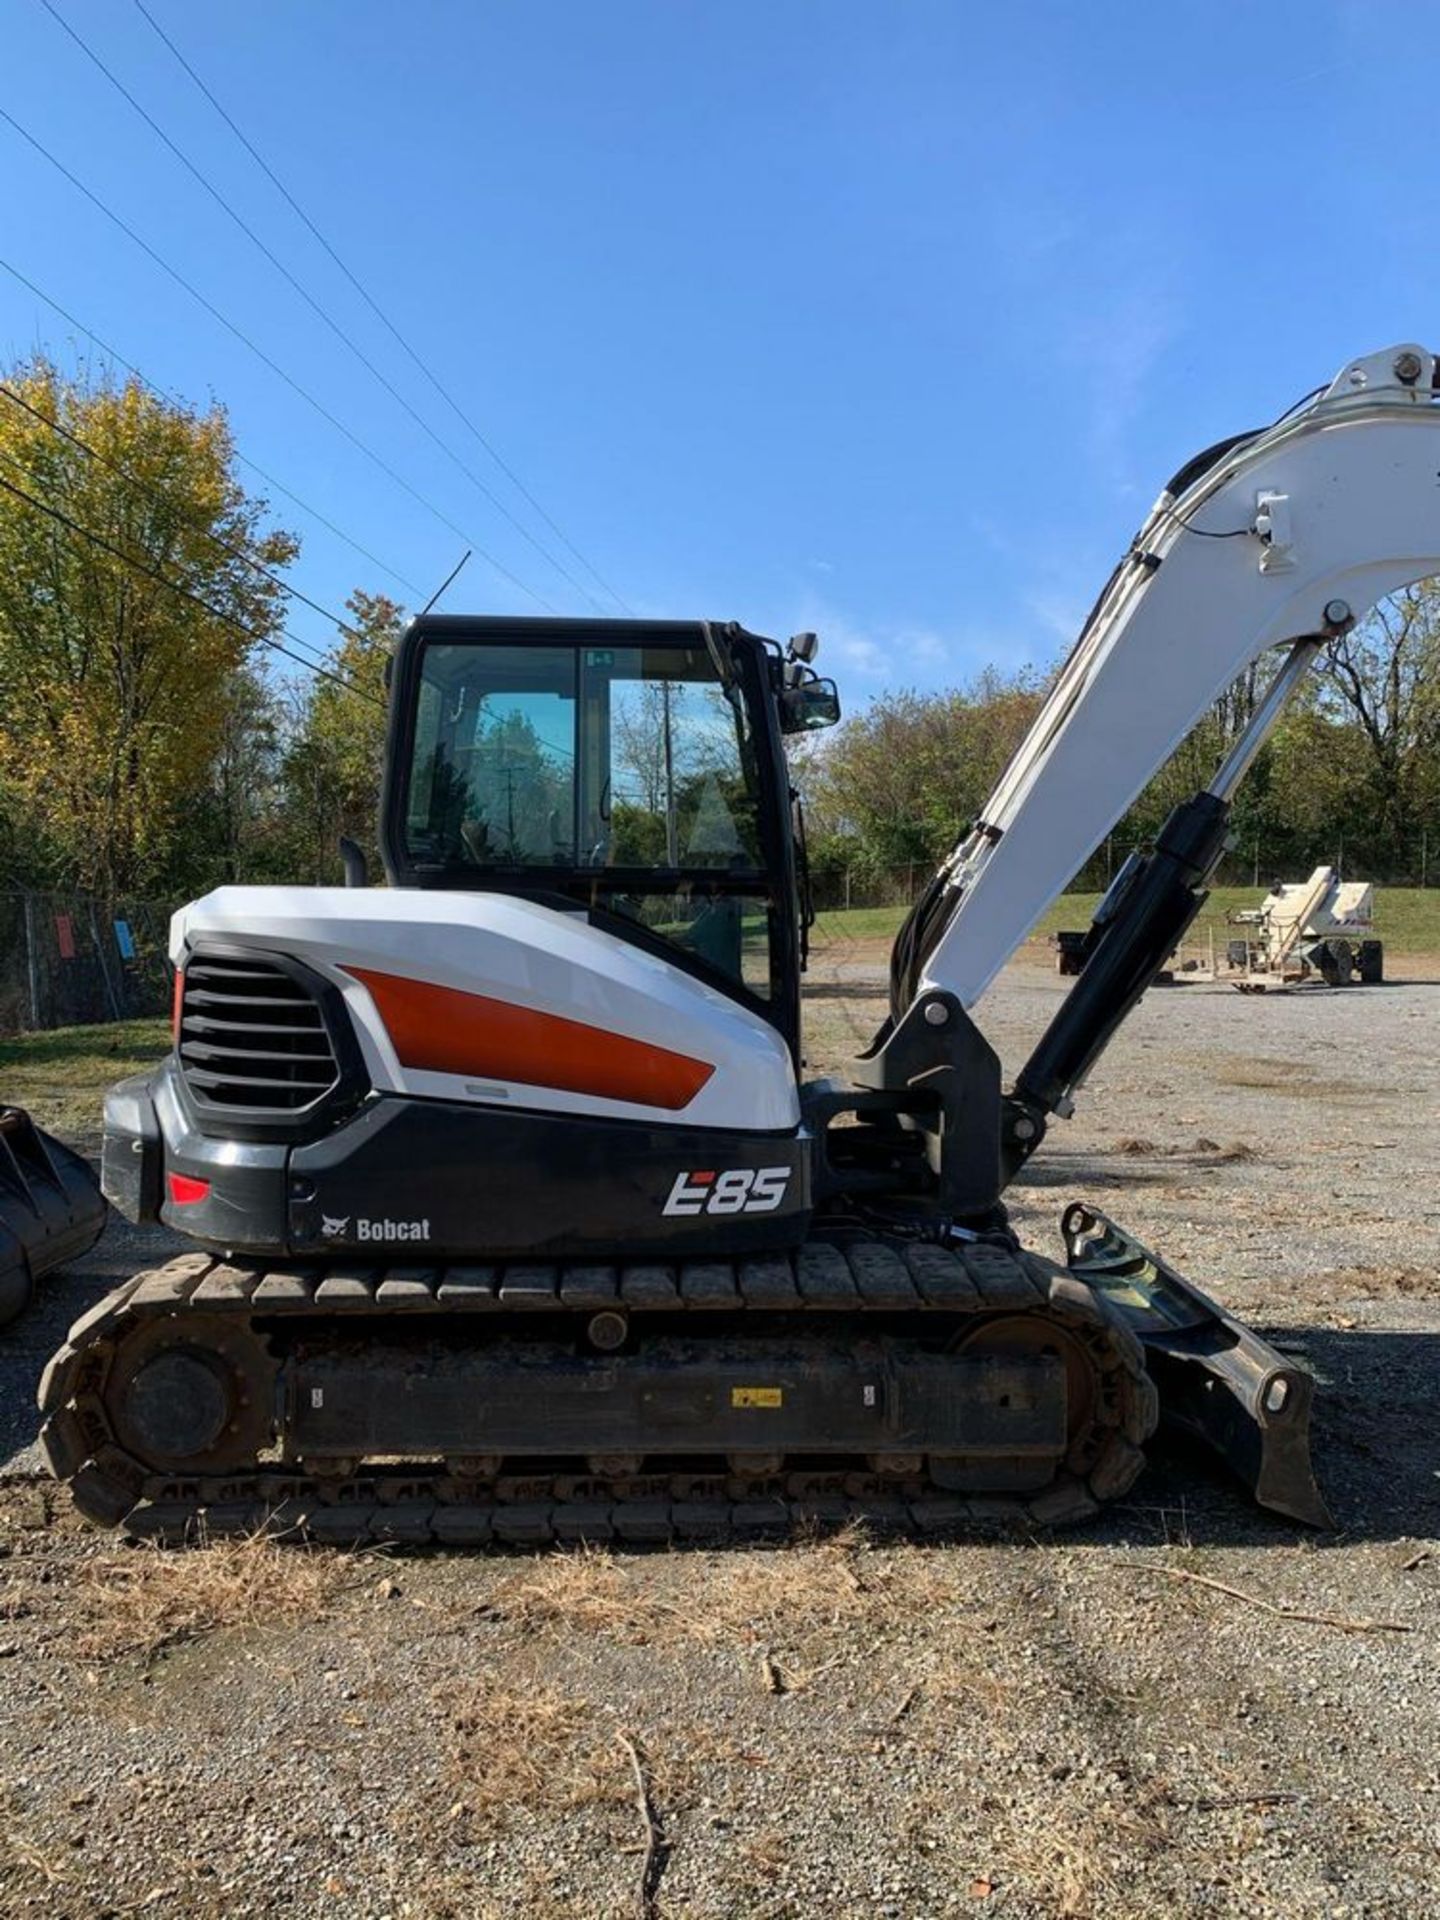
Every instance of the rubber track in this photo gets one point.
(405, 1505)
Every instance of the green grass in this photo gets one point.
(62, 1076)
(1407, 919)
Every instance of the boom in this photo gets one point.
(1283, 536)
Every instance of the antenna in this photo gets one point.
(447, 581)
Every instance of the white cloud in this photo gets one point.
(859, 654)
(906, 655)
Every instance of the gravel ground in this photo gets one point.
(1077, 1726)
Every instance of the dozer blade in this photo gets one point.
(50, 1208)
(1215, 1376)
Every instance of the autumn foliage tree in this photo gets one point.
(110, 679)
(905, 775)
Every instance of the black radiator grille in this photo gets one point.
(253, 1036)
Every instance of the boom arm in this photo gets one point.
(1288, 535)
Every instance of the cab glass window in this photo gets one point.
(580, 757)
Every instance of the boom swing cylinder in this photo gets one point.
(655, 1283)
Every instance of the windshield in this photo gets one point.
(580, 757)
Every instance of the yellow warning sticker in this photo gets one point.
(757, 1396)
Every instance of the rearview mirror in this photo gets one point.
(812, 705)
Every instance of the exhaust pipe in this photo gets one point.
(1215, 1377)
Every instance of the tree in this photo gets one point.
(641, 722)
(902, 779)
(332, 771)
(110, 680)
(1384, 678)
(676, 757)
(232, 816)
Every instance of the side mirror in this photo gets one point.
(815, 703)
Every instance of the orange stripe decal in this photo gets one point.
(443, 1030)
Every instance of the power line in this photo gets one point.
(269, 478)
(381, 315)
(315, 305)
(261, 355)
(158, 493)
(185, 593)
(178, 587)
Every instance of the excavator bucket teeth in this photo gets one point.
(50, 1208)
(1216, 1377)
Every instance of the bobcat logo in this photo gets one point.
(332, 1229)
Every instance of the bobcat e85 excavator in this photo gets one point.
(514, 1216)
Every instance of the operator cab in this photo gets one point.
(630, 770)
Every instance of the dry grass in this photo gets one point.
(1080, 1862)
(740, 1599)
(17, 1600)
(31, 1860)
(767, 1853)
(586, 1590)
(529, 1747)
(968, 1683)
(794, 1593)
(143, 1601)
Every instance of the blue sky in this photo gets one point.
(888, 319)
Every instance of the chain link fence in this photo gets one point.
(836, 889)
(67, 959)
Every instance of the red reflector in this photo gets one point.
(184, 1191)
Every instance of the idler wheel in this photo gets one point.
(192, 1396)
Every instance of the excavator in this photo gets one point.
(514, 1215)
